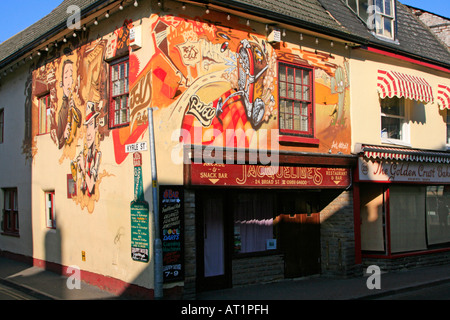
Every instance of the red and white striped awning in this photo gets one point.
(443, 97)
(392, 83)
(391, 153)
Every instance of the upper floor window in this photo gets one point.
(119, 109)
(44, 114)
(10, 221)
(394, 124)
(378, 15)
(296, 100)
(2, 124)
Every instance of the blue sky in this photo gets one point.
(17, 15)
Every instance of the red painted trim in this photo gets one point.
(297, 139)
(404, 58)
(388, 221)
(403, 255)
(112, 285)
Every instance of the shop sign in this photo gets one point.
(139, 215)
(236, 175)
(403, 171)
(171, 219)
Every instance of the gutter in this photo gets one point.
(30, 46)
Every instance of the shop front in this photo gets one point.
(256, 223)
(404, 195)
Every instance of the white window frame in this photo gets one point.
(405, 126)
(381, 16)
(50, 215)
(376, 22)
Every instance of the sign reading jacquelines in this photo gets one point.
(171, 218)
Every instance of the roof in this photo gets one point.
(414, 38)
(36, 33)
(330, 17)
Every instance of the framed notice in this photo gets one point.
(172, 232)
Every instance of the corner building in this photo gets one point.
(258, 175)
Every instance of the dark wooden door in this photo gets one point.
(300, 242)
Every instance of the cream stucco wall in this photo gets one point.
(15, 169)
(427, 127)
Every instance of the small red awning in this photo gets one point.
(404, 154)
(392, 83)
(443, 97)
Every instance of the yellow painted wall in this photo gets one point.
(426, 120)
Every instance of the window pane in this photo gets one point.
(387, 7)
(306, 95)
(283, 89)
(253, 221)
(352, 4)
(290, 91)
(306, 77)
(282, 73)
(407, 219)
(392, 106)
(305, 126)
(391, 128)
(290, 75)
(7, 200)
(387, 27)
(438, 224)
(363, 6)
(379, 6)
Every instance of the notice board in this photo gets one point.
(172, 232)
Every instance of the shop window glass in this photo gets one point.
(253, 222)
(407, 218)
(372, 217)
(438, 219)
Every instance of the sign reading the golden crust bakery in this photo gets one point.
(242, 175)
(403, 171)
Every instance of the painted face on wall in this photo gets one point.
(67, 80)
(90, 133)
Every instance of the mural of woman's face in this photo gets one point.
(90, 133)
(67, 79)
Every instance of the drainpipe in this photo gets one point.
(157, 246)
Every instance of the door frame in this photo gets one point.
(217, 282)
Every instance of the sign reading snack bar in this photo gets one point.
(403, 171)
(240, 175)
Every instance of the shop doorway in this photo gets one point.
(299, 233)
(213, 267)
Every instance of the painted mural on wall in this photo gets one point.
(204, 82)
(220, 85)
(75, 77)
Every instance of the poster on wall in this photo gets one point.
(171, 219)
(140, 238)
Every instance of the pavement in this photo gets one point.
(46, 285)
